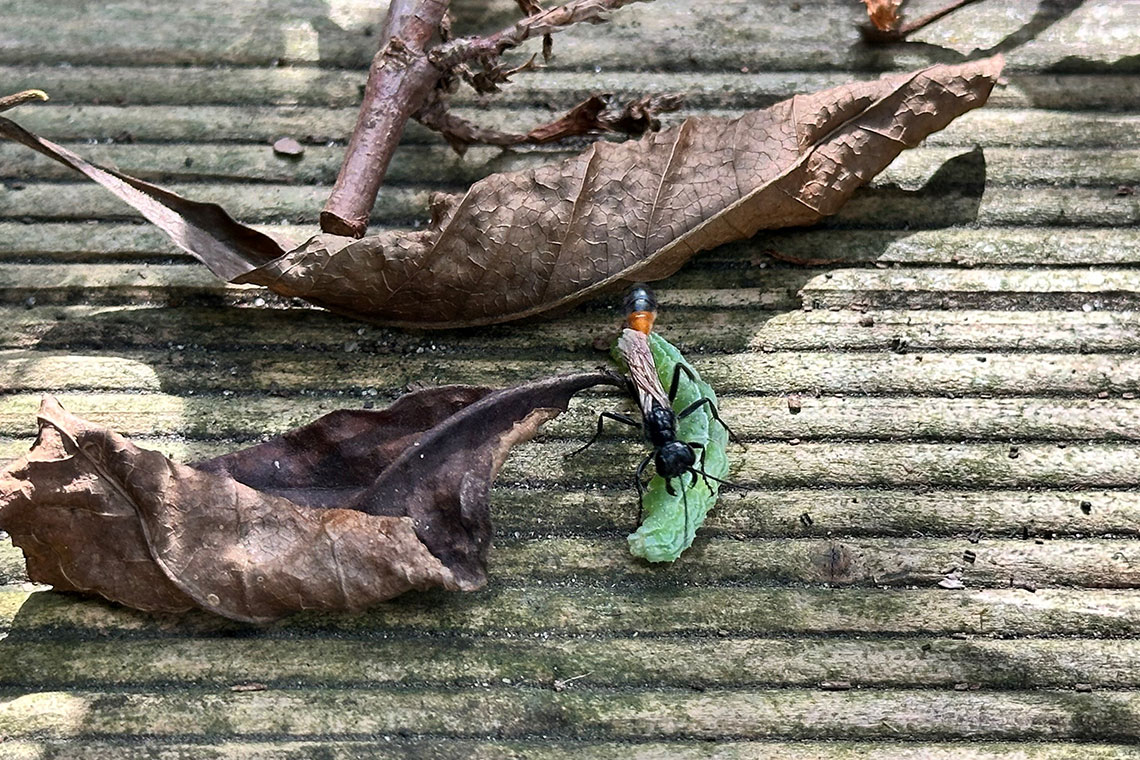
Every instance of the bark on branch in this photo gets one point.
(547, 22)
(401, 80)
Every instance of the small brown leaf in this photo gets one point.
(524, 243)
(884, 14)
(350, 510)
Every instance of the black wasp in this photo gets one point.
(671, 457)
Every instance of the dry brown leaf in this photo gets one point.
(523, 243)
(884, 14)
(355, 508)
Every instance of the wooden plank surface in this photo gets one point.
(935, 548)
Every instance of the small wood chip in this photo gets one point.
(1083, 686)
(794, 404)
(287, 146)
(249, 687)
(835, 685)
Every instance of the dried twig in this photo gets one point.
(878, 34)
(547, 22)
(590, 117)
(399, 81)
(20, 98)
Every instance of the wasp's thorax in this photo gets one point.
(673, 458)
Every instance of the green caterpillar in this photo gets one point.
(662, 536)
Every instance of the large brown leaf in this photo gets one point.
(352, 509)
(522, 243)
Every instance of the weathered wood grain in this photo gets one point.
(962, 363)
(392, 747)
(259, 124)
(439, 166)
(661, 36)
(517, 712)
(700, 327)
(337, 88)
(993, 246)
(503, 611)
(751, 418)
(832, 511)
(619, 663)
(879, 563)
(933, 288)
(178, 370)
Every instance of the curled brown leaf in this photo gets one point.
(884, 14)
(523, 243)
(355, 508)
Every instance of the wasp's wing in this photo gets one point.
(634, 348)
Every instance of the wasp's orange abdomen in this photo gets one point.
(642, 321)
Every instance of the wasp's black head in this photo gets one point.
(640, 298)
(674, 459)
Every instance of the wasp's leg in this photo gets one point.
(701, 446)
(685, 502)
(712, 410)
(678, 368)
(715, 479)
(637, 482)
(613, 416)
(700, 474)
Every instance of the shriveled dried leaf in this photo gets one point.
(355, 508)
(884, 14)
(523, 243)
